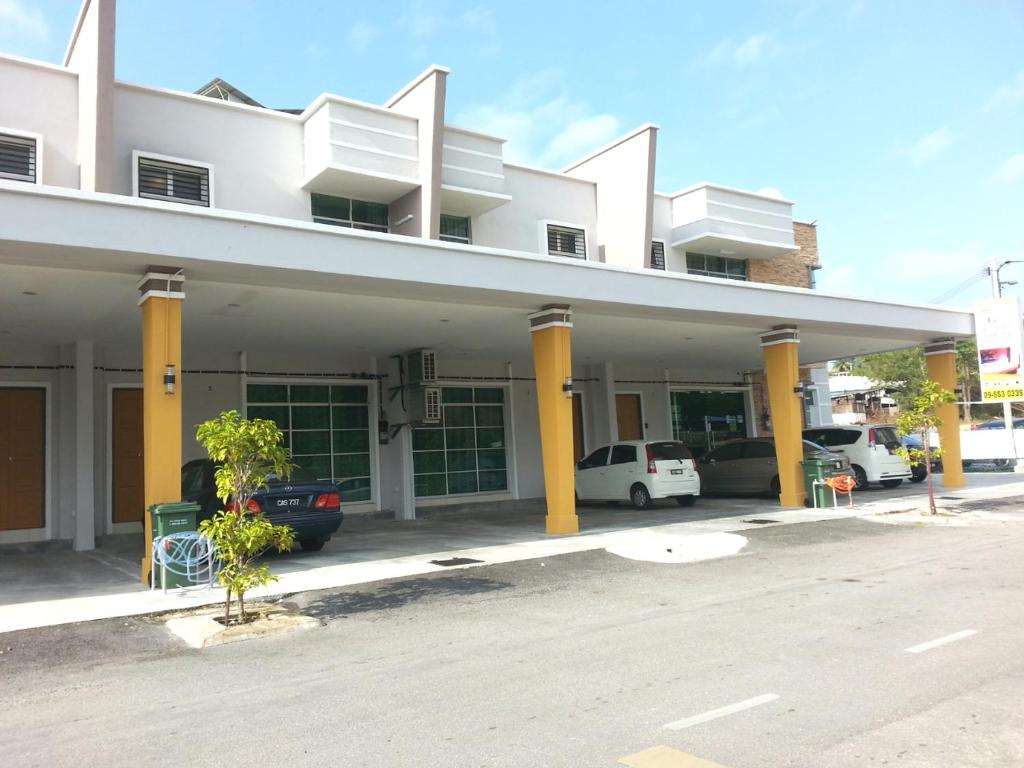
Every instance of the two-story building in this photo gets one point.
(165, 256)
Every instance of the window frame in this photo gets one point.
(664, 254)
(545, 226)
(468, 240)
(138, 154)
(15, 133)
(350, 222)
(705, 272)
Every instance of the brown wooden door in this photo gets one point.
(127, 474)
(630, 417)
(577, 426)
(22, 458)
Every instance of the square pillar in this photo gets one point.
(551, 329)
(780, 347)
(940, 357)
(85, 507)
(161, 296)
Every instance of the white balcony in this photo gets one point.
(359, 150)
(720, 221)
(472, 173)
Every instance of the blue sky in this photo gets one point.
(900, 130)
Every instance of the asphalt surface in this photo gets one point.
(577, 660)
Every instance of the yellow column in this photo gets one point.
(941, 359)
(551, 329)
(782, 374)
(161, 300)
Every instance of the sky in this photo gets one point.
(897, 126)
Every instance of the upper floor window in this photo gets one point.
(567, 241)
(716, 266)
(343, 212)
(160, 178)
(18, 158)
(657, 254)
(455, 229)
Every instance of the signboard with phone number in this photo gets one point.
(999, 331)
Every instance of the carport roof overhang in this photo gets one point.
(296, 268)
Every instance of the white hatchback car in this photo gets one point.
(639, 471)
(872, 452)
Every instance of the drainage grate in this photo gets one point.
(455, 561)
(760, 521)
(952, 498)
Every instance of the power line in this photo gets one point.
(977, 276)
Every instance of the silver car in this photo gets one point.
(749, 466)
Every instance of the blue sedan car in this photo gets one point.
(312, 508)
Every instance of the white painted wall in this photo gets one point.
(257, 155)
(24, 86)
(538, 196)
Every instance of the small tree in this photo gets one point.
(920, 420)
(247, 453)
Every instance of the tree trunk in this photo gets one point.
(928, 469)
(227, 607)
(241, 607)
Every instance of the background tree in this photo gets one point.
(920, 419)
(247, 453)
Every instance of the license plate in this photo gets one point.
(286, 503)
(678, 471)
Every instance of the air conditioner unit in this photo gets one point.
(421, 367)
(425, 405)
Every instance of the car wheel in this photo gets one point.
(312, 545)
(892, 483)
(775, 486)
(640, 496)
(862, 478)
(686, 501)
(917, 478)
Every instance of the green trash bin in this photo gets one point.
(818, 494)
(177, 517)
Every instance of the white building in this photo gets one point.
(285, 262)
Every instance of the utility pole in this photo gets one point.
(997, 293)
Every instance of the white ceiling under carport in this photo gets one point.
(260, 283)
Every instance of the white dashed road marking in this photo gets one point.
(714, 714)
(941, 641)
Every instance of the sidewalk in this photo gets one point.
(65, 587)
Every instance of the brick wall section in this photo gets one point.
(791, 269)
(759, 396)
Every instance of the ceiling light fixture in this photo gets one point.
(29, 293)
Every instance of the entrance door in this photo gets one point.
(577, 427)
(629, 414)
(127, 494)
(22, 458)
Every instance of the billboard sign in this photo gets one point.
(998, 327)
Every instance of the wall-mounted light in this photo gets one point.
(404, 220)
(766, 419)
(798, 389)
(169, 379)
(567, 387)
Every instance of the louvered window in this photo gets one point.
(566, 241)
(455, 229)
(17, 158)
(657, 255)
(162, 180)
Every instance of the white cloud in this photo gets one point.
(424, 20)
(1012, 169)
(18, 21)
(1008, 95)
(750, 50)
(542, 124)
(931, 145)
(362, 35)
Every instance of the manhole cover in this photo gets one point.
(455, 561)
(760, 521)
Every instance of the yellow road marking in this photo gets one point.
(666, 757)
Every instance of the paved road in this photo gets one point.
(793, 653)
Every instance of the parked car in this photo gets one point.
(749, 466)
(639, 471)
(917, 470)
(872, 451)
(1018, 423)
(311, 507)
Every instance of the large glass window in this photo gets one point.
(702, 420)
(716, 266)
(326, 427)
(466, 452)
(343, 212)
(455, 229)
